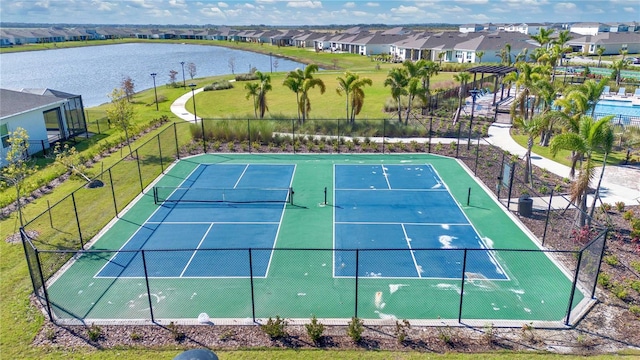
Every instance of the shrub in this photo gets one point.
(135, 336)
(628, 215)
(611, 260)
(605, 207)
(401, 330)
(528, 333)
(94, 332)
(355, 329)
(219, 85)
(489, 335)
(246, 77)
(314, 329)
(635, 265)
(635, 310)
(604, 280)
(176, 334)
(275, 328)
(445, 334)
(50, 334)
(620, 206)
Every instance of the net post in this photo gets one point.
(291, 195)
(146, 279)
(468, 196)
(464, 269)
(325, 195)
(155, 195)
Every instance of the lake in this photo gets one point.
(94, 71)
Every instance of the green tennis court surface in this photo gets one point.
(250, 236)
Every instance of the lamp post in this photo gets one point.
(184, 81)
(155, 91)
(193, 96)
(474, 94)
(271, 61)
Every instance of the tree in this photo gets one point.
(397, 81)
(351, 85)
(252, 91)
(191, 68)
(618, 66)
(128, 86)
(479, 55)
(294, 82)
(462, 78)
(532, 128)
(68, 157)
(308, 83)
(121, 113)
(543, 37)
(414, 73)
(524, 79)
(172, 78)
(441, 56)
(562, 39)
(593, 135)
(232, 64)
(264, 86)
(600, 51)
(505, 54)
(18, 166)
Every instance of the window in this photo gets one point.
(458, 54)
(4, 135)
(52, 119)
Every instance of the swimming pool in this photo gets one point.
(625, 112)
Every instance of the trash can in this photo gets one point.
(525, 206)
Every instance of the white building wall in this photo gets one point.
(33, 123)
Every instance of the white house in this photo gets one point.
(47, 117)
(589, 28)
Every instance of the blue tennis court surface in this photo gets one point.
(409, 209)
(209, 225)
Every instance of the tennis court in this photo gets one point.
(241, 237)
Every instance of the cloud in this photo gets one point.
(565, 6)
(213, 12)
(373, 4)
(177, 3)
(411, 10)
(350, 4)
(630, 10)
(305, 4)
(223, 5)
(473, 2)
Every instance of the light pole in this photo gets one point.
(155, 91)
(271, 61)
(193, 96)
(474, 94)
(184, 81)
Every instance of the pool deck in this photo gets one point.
(635, 100)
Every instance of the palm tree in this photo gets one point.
(524, 79)
(351, 85)
(414, 73)
(505, 54)
(532, 128)
(543, 37)
(264, 86)
(462, 78)
(600, 51)
(397, 81)
(618, 66)
(479, 55)
(440, 56)
(252, 91)
(430, 69)
(308, 83)
(293, 81)
(562, 40)
(593, 135)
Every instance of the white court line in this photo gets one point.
(217, 222)
(399, 223)
(386, 176)
(196, 250)
(415, 262)
(241, 175)
(407, 190)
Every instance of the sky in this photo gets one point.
(315, 12)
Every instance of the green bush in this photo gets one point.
(355, 329)
(275, 328)
(219, 85)
(314, 329)
(94, 332)
(246, 77)
(401, 331)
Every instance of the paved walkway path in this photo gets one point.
(620, 183)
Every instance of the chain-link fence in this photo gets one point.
(52, 241)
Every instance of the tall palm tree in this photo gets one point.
(463, 78)
(532, 128)
(593, 135)
(505, 54)
(600, 51)
(264, 86)
(308, 83)
(441, 56)
(479, 55)
(293, 81)
(525, 77)
(618, 66)
(430, 69)
(543, 37)
(562, 39)
(351, 85)
(397, 80)
(414, 73)
(252, 91)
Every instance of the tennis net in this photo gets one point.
(168, 194)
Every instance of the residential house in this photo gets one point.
(467, 28)
(589, 28)
(47, 116)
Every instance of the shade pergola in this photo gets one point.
(499, 70)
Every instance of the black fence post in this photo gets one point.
(253, 299)
(44, 285)
(511, 175)
(249, 133)
(356, 292)
(430, 132)
(546, 222)
(464, 269)
(458, 141)
(573, 288)
(175, 134)
(98, 125)
(604, 243)
(49, 211)
(160, 154)
(293, 135)
(384, 133)
(113, 192)
(204, 139)
(146, 279)
(75, 211)
(139, 171)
